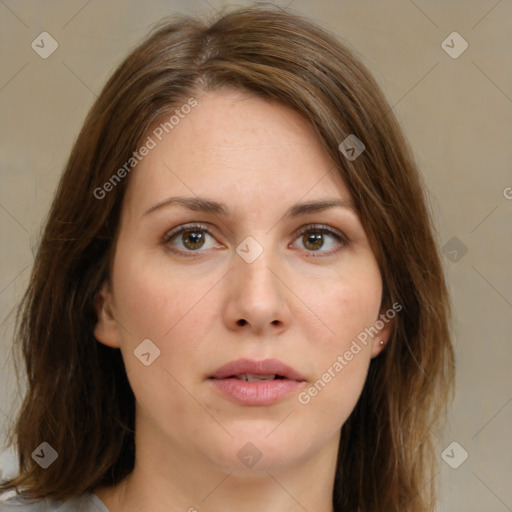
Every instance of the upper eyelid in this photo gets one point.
(187, 226)
(320, 227)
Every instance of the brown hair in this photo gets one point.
(78, 397)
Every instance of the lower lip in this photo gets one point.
(264, 392)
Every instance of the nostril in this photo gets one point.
(242, 322)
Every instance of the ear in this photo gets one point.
(106, 330)
(385, 326)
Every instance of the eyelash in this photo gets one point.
(337, 235)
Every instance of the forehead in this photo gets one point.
(235, 145)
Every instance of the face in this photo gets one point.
(252, 280)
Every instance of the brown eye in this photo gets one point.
(188, 239)
(314, 238)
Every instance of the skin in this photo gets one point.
(258, 158)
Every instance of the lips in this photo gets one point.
(250, 382)
(248, 369)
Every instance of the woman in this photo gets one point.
(238, 301)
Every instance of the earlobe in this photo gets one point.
(380, 341)
(106, 330)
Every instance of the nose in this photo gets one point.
(257, 296)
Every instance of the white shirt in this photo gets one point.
(88, 502)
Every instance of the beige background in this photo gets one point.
(457, 114)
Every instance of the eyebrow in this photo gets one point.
(214, 207)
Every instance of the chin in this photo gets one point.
(256, 452)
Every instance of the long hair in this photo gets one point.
(78, 397)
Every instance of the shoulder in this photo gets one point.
(20, 503)
(12, 502)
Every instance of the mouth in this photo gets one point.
(248, 377)
(251, 382)
(250, 370)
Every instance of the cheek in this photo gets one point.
(347, 304)
(334, 395)
(153, 300)
(341, 367)
(155, 303)
(342, 356)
